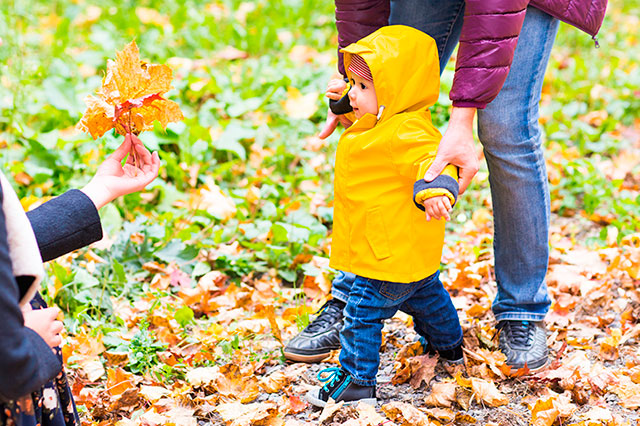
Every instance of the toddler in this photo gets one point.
(379, 232)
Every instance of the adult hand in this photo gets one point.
(457, 148)
(43, 322)
(332, 122)
(113, 180)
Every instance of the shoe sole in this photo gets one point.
(311, 359)
(533, 370)
(317, 402)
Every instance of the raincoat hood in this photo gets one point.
(404, 80)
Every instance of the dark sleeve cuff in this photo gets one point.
(65, 223)
(469, 104)
(442, 181)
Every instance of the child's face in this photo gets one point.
(362, 96)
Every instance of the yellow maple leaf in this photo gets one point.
(130, 99)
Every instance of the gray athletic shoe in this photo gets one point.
(524, 343)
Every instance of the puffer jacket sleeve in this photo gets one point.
(356, 19)
(487, 43)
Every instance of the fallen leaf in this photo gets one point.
(442, 395)
(405, 414)
(487, 392)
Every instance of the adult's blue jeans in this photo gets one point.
(372, 301)
(509, 131)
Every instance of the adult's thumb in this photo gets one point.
(434, 170)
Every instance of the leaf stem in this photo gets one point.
(133, 148)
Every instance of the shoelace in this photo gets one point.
(521, 331)
(333, 377)
(328, 314)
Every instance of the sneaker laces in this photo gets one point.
(334, 374)
(329, 313)
(521, 332)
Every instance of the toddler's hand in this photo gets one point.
(437, 207)
(43, 322)
(335, 88)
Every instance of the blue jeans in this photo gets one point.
(372, 301)
(510, 134)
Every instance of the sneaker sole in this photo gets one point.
(311, 359)
(313, 399)
(533, 370)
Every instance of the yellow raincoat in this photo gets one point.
(378, 232)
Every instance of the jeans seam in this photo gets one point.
(449, 30)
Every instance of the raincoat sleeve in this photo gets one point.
(414, 149)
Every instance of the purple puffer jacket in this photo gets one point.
(488, 40)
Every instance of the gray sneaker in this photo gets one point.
(524, 343)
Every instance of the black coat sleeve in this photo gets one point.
(65, 223)
(26, 361)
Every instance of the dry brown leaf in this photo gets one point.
(368, 416)
(274, 382)
(423, 369)
(93, 369)
(442, 395)
(337, 413)
(118, 381)
(441, 414)
(153, 393)
(237, 414)
(628, 393)
(130, 99)
(405, 414)
(544, 413)
(487, 392)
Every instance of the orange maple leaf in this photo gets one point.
(130, 99)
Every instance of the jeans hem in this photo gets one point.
(343, 297)
(520, 316)
(362, 382)
(446, 348)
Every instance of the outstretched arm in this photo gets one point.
(71, 221)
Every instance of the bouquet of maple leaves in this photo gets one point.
(130, 99)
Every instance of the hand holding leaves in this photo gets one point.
(113, 180)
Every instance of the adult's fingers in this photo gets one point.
(435, 169)
(56, 327)
(465, 176)
(143, 153)
(329, 126)
(122, 150)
